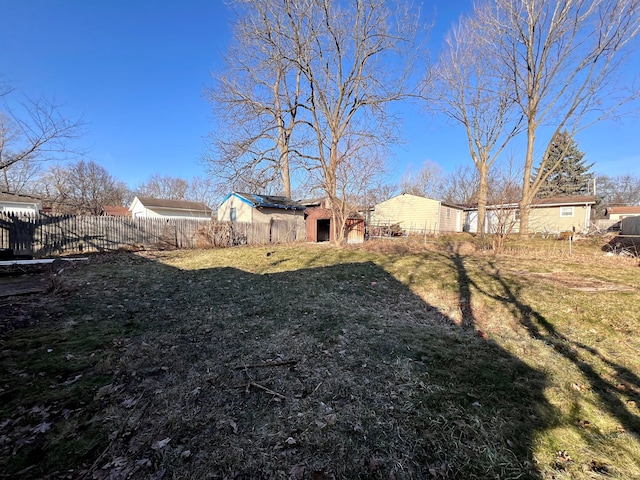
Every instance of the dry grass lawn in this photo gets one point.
(392, 360)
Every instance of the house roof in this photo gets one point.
(268, 201)
(312, 202)
(574, 200)
(452, 205)
(545, 202)
(151, 202)
(115, 211)
(15, 198)
(623, 210)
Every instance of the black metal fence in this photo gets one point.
(42, 235)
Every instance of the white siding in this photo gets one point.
(138, 210)
(19, 208)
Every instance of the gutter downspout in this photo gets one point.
(587, 217)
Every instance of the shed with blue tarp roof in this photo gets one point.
(254, 208)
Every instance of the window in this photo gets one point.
(448, 212)
(566, 211)
(232, 214)
(516, 215)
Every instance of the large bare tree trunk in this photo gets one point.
(483, 191)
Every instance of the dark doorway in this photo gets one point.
(323, 230)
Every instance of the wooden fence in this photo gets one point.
(41, 235)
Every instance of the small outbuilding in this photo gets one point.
(21, 204)
(319, 218)
(618, 213)
(416, 214)
(115, 211)
(149, 207)
(254, 208)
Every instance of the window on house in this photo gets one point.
(516, 215)
(448, 213)
(232, 214)
(566, 211)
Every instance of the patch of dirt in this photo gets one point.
(579, 284)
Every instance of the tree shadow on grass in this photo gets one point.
(617, 389)
(330, 372)
(616, 393)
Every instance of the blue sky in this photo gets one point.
(135, 70)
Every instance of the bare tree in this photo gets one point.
(427, 181)
(558, 58)
(5, 87)
(256, 98)
(331, 67)
(82, 187)
(21, 177)
(205, 190)
(357, 63)
(35, 130)
(17, 176)
(461, 186)
(504, 191)
(361, 171)
(165, 187)
(617, 190)
(465, 86)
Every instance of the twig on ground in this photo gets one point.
(248, 385)
(266, 364)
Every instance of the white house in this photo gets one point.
(12, 203)
(253, 208)
(148, 207)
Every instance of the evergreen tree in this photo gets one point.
(571, 175)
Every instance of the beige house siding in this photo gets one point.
(450, 219)
(556, 216)
(560, 218)
(264, 214)
(412, 212)
(619, 216)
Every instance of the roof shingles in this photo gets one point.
(151, 202)
(271, 201)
